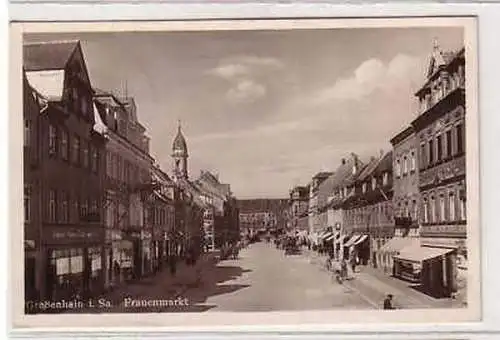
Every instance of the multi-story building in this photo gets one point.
(162, 213)
(69, 163)
(32, 104)
(219, 216)
(315, 200)
(299, 208)
(369, 212)
(128, 174)
(440, 134)
(405, 201)
(342, 190)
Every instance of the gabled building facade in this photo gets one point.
(70, 168)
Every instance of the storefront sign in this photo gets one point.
(68, 234)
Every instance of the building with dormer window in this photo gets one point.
(69, 162)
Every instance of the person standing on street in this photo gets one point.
(388, 302)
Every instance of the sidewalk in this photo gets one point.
(373, 285)
(162, 286)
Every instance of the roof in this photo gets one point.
(402, 135)
(48, 56)
(385, 163)
(368, 169)
(325, 190)
(49, 83)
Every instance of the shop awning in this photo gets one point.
(351, 241)
(361, 239)
(327, 236)
(395, 244)
(331, 237)
(417, 254)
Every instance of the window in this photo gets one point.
(449, 145)
(423, 156)
(119, 167)
(85, 154)
(406, 211)
(27, 204)
(439, 146)
(431, 152)
(374, 183)
(75, 99)
(52, 206)
(95, 159)
(27, 132)
(426, 211)
(415, 210)
(405, 165)
(398, 168)
(64, 145)
(84, 105)
(84, 208)
(75, 157)
(93, 207)
(451, 208)
(385, 179)
(64, 217)
(413, 165)
(442, 207)
(52, 140)
(75, 210)
(460, 140)
(364, 188)
(433, 210)
(463, 209)
(126, 170)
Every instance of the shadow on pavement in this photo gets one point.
(213, 283)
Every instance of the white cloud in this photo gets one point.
(246, 90)
(230, 71)
(242, 73)
(368, 77)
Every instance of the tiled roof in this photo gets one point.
(47, 56)
(368, 169)
(385, 163)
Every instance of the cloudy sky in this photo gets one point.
(266, 109)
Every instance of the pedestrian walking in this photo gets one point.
(388, 302)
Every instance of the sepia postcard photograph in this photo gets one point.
(245, 172)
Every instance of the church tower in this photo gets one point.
(180, 155)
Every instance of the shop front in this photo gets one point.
(74, 258)
(434, 268)
(129, 255)
(392, 248)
